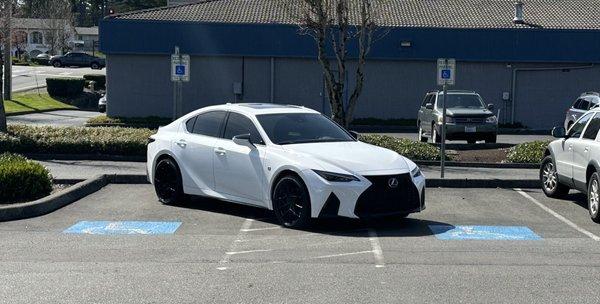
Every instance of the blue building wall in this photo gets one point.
(265, 40)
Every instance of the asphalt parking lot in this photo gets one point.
(221, 252)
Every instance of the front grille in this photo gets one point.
(469, 120)
(381, 199)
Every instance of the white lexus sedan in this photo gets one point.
(289, 159)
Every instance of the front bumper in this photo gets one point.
(459, 131)
(370, 197)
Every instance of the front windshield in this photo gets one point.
(295, 128)
(461, 101)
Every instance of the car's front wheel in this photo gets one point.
(593, 197)
(291, 202)
(549, 178)
(95, 66)
(57, 64)
(420, 136)
(167, 182)
(435, 137)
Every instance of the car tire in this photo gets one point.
(168, 184)
(57, 64)
(291, 202)
(549, 179)
(420, 136)
(491, 139)
(593, 197)
(435, 137)
(95, 66)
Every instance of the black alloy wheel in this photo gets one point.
(167, 182)
(291, 202)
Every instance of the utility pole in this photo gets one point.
(8, 50)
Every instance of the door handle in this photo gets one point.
(182, 143)
(587, 149)
(220, 151)
(571, 147)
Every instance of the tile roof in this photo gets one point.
(553, 14)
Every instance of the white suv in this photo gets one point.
(573, 161)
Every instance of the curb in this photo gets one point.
(483, 183)
(104, 157)
(79, 190)
(40, 111)
(27, 89)
(480, 165)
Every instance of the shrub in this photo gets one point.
(75, 140)
(65, 87)
(531, 152)
(408, 148)
(151, 122)
(369, 121)
(22, 179)
(98, 78)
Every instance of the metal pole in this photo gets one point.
(443, 149)
(176, 89)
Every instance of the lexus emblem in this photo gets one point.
(393, 182)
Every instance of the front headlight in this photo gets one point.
(449, 119)
(416, 172)
(336, 177)
(491, 119)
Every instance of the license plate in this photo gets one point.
(470, 129)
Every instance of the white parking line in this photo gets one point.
(225, 260)
(260, 229)
(248, 251)
(342, 254)
(558, 216)
(377, 252)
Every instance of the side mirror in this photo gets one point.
(354, 134)
(429, 106)
(243, 140)
(559, 132)
(490, 107)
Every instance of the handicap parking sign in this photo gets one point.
(180, 70)
(446, 74)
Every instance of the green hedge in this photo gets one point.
(65, 87)
(98, 78)
(150, 122)
(408, 148)
(531, 152)
(75, 140)
(22, 179)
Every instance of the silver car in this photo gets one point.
(586, 101)
(573, 161)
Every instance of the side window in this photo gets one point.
(577, 128)
(189, 125)
(426, 100)
(209, 124)
(592, 129)
(576, 104)
(238, 124)
(584, 104)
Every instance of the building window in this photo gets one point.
(37, 38)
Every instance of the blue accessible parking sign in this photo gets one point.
(446, 74)
(180, 70)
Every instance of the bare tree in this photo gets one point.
(337, 26)
(57, 18)
(6, 13)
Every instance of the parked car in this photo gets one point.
(102, 104)
(78, 59)
(573, 161)
(289, 159)
(584, 102)
(467, 117)
(42, 59)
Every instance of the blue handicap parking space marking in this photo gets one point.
(512, 233)
(126, 227)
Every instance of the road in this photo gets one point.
(26, 77)
(220, 252)
(62, 118)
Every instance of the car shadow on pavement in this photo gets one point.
(577, 198)
(384, 227)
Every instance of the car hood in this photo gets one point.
(468, 112)
(355, 157)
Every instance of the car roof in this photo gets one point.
(454, 92)
(258, 108)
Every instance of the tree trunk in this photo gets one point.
(7, 51)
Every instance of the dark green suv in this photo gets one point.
(468, 118)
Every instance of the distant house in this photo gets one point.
(86, 38)
(35, 36)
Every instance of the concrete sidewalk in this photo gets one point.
(74, 169)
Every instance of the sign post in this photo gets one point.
(180, 73)
(445, 75)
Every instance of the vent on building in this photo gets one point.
(518, 13)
